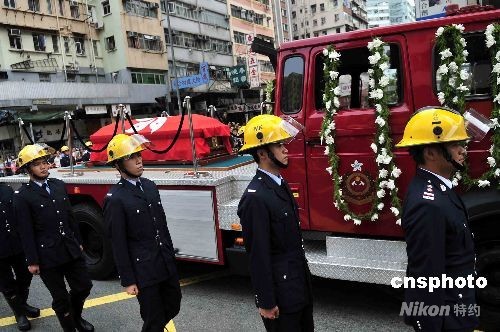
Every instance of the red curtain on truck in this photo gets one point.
(160, 131)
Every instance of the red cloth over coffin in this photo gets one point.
(160, 131)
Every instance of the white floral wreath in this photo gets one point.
(382, 146)
(451, 46)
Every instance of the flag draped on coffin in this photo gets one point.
(160, 131)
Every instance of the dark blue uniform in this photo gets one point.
(51, 239)
(11, 253)
(278, 266)
(439, 241)
(143, 250)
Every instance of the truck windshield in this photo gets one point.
(292, 85)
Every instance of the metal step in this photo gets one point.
(363, 260)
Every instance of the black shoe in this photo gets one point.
(67, 322)
(23, 324)
(83, 325)
(31, 311)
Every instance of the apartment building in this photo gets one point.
(312, 18)
(199, 33)
(252, 18)
(282, 21)
(387, 12)
(60, 55)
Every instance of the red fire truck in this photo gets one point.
(201, 211)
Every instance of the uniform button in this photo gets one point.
(284, 276)
(137, 211)
(3, 211)
(41, 205)
(41, 245)
(63, 233)
(57, 211)
(154, 218)
(159, 203)
(60, 223)
(161, 244)
(149, 205)
(286, 214)
(460, 296)
(465, 225)
(137, 259)
(53, 200)
(7, 224)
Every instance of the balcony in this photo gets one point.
(20, 93)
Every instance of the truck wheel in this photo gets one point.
(488, 266)
(97, 248)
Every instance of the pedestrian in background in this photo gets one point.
(142, 247)
(434, 219)
(51, 238)
(271, 230)
(15, 278)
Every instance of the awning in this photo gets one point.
(40, 116)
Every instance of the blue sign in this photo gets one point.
(194, 80)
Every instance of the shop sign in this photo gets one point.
(238, 75)
(95, 109)
(41, 102)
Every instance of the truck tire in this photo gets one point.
(488, 265)
(97, 248)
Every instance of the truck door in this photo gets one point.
(355, 128)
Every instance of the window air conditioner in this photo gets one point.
(15, 32)
(99, 25)
(73, 3)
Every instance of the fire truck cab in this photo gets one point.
(374, 251)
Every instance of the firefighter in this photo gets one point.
(434, 220)
(64, 161)
(86, 153)
(51, 239)
(15, 289)
(271, 230)
(142, 247)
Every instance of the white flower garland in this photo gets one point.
(382, 146)
(451, 46)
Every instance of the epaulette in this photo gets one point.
(429, 191)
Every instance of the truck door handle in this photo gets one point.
(314, 142)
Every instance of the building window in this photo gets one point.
(147, 78)
(44, 77)
(110, 43)
(66, 45)
(322, 7)
(323, 20)
(239, 37)
(70, 77)
(313, 9)
(79, 45)
(55, 44)
(38, 42)
(294, 14)
(9, 3)
(141, 8)
(285, 27)
(95, 44)
(15, 39)
(145, 42)
(34, 5)
(324, 32)
(74, 9)
(106, 8)
(315, 34)
(84, 78)
(49, 6)
(61, 7)
(315, 23)
(336, 17)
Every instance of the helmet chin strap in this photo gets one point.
(274, 160)
(122, 169)
(452, 161)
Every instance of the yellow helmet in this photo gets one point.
(430, 125)
(266, 129)
(88, 143)
(30, 153)
(64, 148)
(124, 145)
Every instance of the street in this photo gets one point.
(214, 300)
